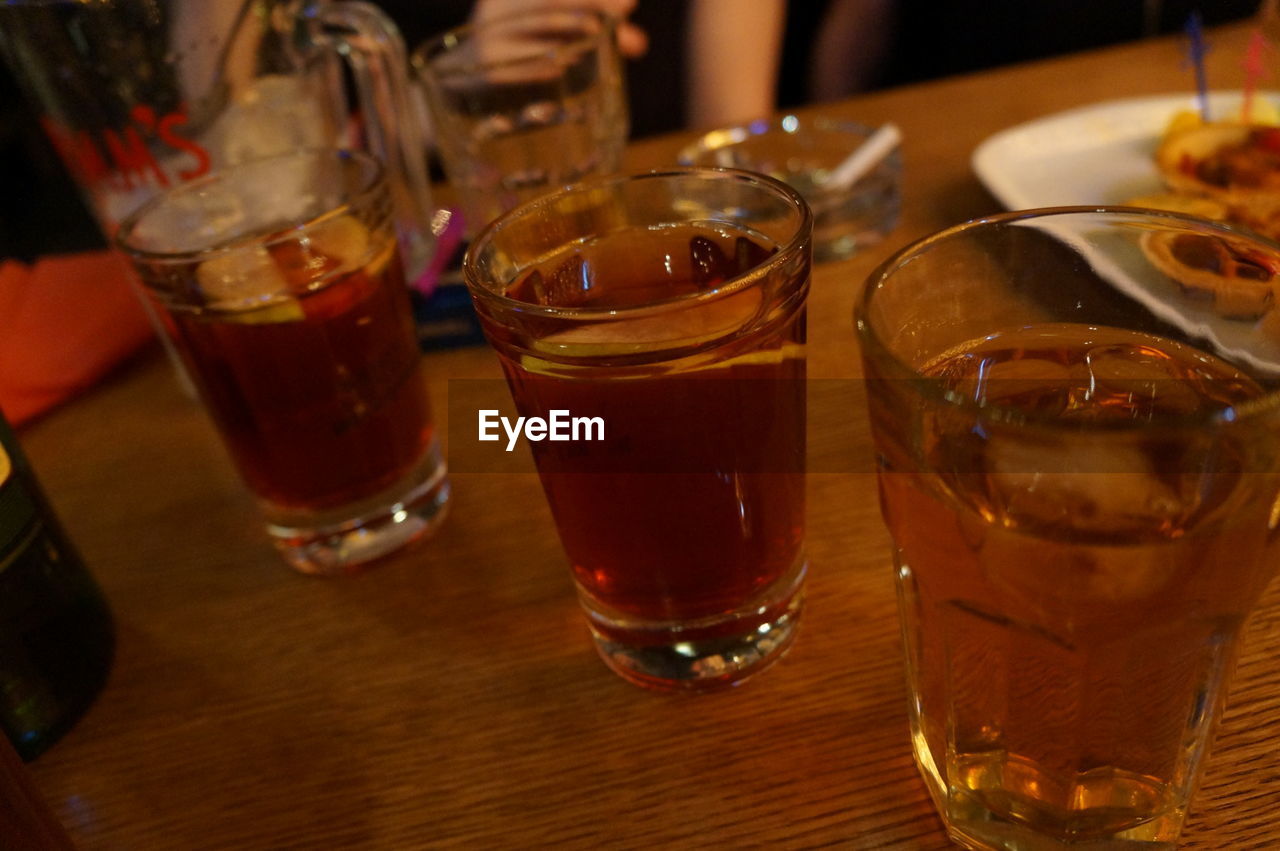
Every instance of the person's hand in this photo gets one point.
(632, 40)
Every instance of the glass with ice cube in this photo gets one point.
(1078, 465)
(671, 307)
(281, 284)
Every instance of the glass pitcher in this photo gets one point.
(139, 95)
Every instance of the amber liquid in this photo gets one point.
(694, 505)
(319, 396)
(1070, 606)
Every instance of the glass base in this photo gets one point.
(972, 823)
(996, 835)
(708, 654)
(996, 799)
(376, 528)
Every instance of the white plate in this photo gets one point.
(1097, 154)
(1104, 154)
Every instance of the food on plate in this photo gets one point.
(1224, 171)
(1232, 275)
(1235, 164)
(1225, 160)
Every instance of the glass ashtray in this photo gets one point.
(802, 152)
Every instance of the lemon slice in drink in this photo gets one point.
(343, 239)
(662, 330)
(764, 357)
(245, 285)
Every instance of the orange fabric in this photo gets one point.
(64, 323)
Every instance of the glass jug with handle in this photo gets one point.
(139, 95)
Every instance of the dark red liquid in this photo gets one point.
(676, 545)
(697, 502)
(319, 397)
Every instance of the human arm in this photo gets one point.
(734, 49)
(632, 41)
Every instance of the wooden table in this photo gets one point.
(451, 698)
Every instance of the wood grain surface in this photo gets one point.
(451, 697)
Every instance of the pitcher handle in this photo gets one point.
(374, 50)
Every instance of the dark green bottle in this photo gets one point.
(56, 633)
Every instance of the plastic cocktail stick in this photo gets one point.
(1196, 49)
(1255, 68)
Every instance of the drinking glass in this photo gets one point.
(1076, 416)
(281, 284)
(524, 103)
(670, 307)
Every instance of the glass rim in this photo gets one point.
(731, 135)
(730, 286)
(424, 56)
(931, 389)
(373, 182)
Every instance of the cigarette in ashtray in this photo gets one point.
(863, 158)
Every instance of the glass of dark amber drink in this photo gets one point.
(1076, 418)
(670, 306)
(281, 285)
